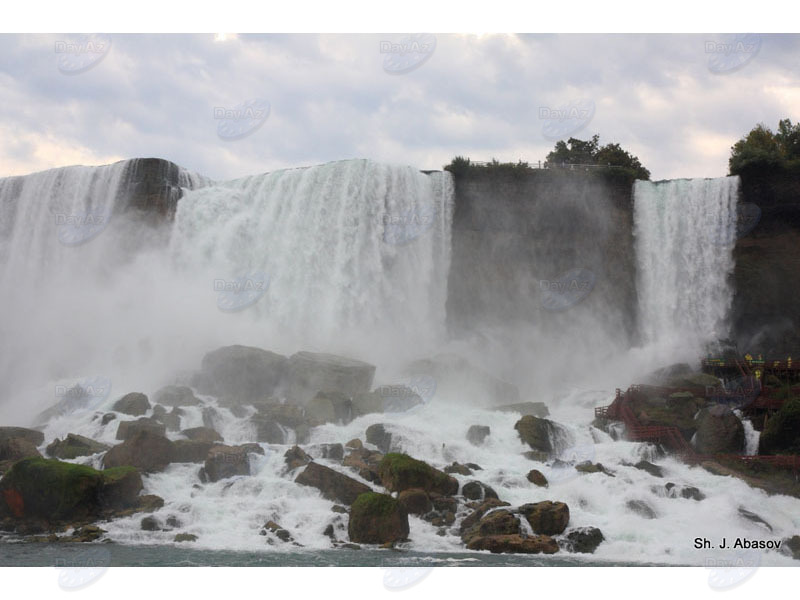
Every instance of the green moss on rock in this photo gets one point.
(400, 472)
(377, 519)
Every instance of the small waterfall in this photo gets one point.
(685, 232)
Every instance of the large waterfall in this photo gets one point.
(685, 232)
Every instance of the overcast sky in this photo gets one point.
(675, 101)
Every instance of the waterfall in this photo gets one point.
(685, 232)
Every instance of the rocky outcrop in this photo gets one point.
(378, 436)
(145, 450)
(476, 434)
(202, 434)
(296, 457)
(377, 519)
(400, 472)
(537, 433)
(719, 431)
(365, 461)
(495, 522)
(415, 501)
(191, 451)
(546, 518)
(226, 461)
(334, 486)
(329, 407)
(171, 420)
(13, 449)
(273, 420)
(476, 490)
(127, 429)
(31, 435)
(134, 404)
(309, 373)
(241, 374)
(584, 540)
(74, 446)
(176, 395)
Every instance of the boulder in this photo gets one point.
(202, 434)
(150, 523)
(171, 420)
(781, 433)
(793, 546)
(134, 404)
(751, 516)
(107, 418)
(495, 522)
(515, 543)
(641, 508)
(377, 435)
(546, 518)
(310, 373)
(121, 488)
(584, 540)
(279, 532)
(366, 403)
(537, 433)
(537, 478)
(366, 462)
(241, 374)
(476, 434)
(226, 461)
(532, 409)
(654, 470)
(185, 537)
(31, 435)
(334, 486)
(415, 501)
(332, 451)
(74, 446)
(396, 398)
(354, 444)
(14, 449)
(688, 492)
(476, 490)
(145, 450)
(176, 395)
(191, 451)
(273, 420)
(377, 519)
(329, 407)
(127, 429)
(400, 472)
(719, 431)
(588, 466)
(296, 457)
(458, 469)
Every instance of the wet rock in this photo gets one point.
(241, 374)
(14, 449)
(377, 519)
(226, 461)
(415, 501)
(533, 409)
(400, 472)
(339, 509)
(396, 398)
(145, 450)
(584, 540)
(751, 516)
(476, 490)
(150, 523)
(279, 532)
(189, 451)
(176, 395)
(174, 522)
(536, 455)
(641, 508)
(537, 433)
(333, 485)
(476, 515)
(443, 503)
(134, 404)
(274, 419)
(792, 544)
(495, 522)
(171, 420)
(477, 434)
(354, 444)
(127, 429)
(537, 478)
(719, 431)
(366, 403)
(31, 435)
(185, 537)
(458, 469)
(514, 544)
(296, 457)
(107, 418)
(366, 462)
(332, 451)
(654, 470)
(688, 492)
(329, 407)
(74, 446)
(587, 467)
(378, 436)
(310, 373)
(202, 434)
(546, 518)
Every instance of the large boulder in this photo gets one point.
(191, 451)
(171, 420)
(329, 407)
(202, 434)
(135, 404)
(478, 513)
(145, 450)
(53, 492)
(477, 490)
(241, 374)
(310, 373)
(496, 522)
(74, 446)
(781, 434)
(415, 501)
(127, 429)
(719, 431)
(538, 433)
(365, 461)
(476, 434)
(584, 540)
(546, 518)
(377, 519)
(34, 437)
(396, 398)
(457, 377)
(226, 461)
(273, 420)
(377, 435)
(176, 395)
(14, 449)
(295, 457)
(334, 486)
(400, 472)
(515, 543)
(536, 477)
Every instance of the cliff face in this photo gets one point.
(514, 233)
(766, 305)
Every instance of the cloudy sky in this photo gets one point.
(676, 101)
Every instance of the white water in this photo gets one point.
(685, 230)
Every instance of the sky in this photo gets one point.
(228, 105)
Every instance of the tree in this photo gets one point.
(761, 148)
(589, 152)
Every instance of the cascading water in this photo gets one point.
(685, 231)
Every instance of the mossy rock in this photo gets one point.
(74, 446)
(400, 472)
(377, 519)
(782, 432)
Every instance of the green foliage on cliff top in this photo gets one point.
(763, 149)
(782, 433)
